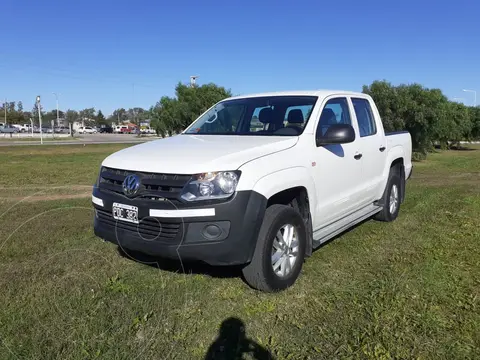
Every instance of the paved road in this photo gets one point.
(82, 139)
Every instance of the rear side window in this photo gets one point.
(335, 112)
(365, 119)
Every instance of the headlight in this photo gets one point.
(97, 182)
(213, 185)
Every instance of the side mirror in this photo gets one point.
(336, 134)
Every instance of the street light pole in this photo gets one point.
(58, 121)
(193, 80)
(5, 108)
(39, 109)
(474, 96)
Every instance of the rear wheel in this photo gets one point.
(391, 198)
(280, 250)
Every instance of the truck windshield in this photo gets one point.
(263, 116)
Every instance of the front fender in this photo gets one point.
(285, 179)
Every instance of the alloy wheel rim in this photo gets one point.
(285, 250)
(393, 204)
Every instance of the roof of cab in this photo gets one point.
(320, 93)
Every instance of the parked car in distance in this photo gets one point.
(226, 193)
(119, 129)
(124, 129)
(147, 130)
(61, 130)
(23, 128)
(86, 130)
(106, 129)
(7, 129)
(27, 128)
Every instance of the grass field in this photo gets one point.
(403, 290)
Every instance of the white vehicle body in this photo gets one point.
(147, 130)
(343, 183)
(119, 129)
(87, 130)
(24, 127)
(7, 129)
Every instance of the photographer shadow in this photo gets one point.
(232, 343)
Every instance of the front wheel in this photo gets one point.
(279, 252)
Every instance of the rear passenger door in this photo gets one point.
(372, 145)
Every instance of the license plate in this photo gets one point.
(125, 212)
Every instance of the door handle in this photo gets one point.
(358, 156)
(382, 148)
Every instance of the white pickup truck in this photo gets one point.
(259, 181)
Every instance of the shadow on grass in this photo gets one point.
(462, 148)
(232, 343)
(176, 266)
(341, 234)
(453, 148)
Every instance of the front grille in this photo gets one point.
(154, 186)
(147, 228)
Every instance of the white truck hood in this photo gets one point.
(192, 154)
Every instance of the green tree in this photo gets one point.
(118, 116)
(475, 121)
(87, 116)
(164, 116)
(172, 115)
(135, 115)
(34, 114)
(71, 116)
(101, 120)
(426, 113)
(11, 106)
(461, 123)
(388, 103)
(52, 116)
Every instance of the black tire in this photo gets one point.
(259, 273)
(386, 214)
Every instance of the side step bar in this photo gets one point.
(324, 234)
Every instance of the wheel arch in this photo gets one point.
(397, 164)
(295, 188)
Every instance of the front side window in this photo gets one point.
(335, 112)
(266, 116)
(365, 119)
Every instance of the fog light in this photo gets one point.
(211, 232)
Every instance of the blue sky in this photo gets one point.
(110, 54)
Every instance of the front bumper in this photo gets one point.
(217, 233)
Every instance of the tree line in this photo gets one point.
(427, 114)
(15, 114)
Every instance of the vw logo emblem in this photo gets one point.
(130, 185)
